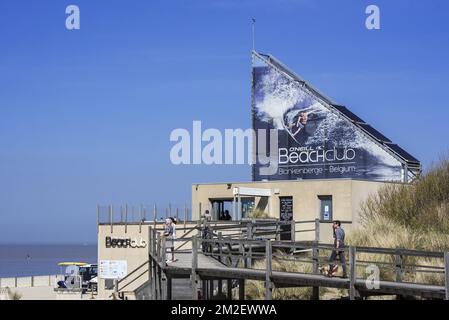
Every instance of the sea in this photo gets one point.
(23, 260)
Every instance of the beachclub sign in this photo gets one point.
(125, 243)
(313, 141)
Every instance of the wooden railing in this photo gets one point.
(256, 242)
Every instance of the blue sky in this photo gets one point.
(85, 116)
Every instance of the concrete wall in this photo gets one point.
(134, 256)
(361, 190)
(33, 281)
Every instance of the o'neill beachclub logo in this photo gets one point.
(125, 243)
(309, 155)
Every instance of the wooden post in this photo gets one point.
(278, 231)
(116, 288)
(233, 209)
(194, 277)
(249, 234)
(157, 257)
(398, 268)
(352, 262)
(293, 230)
(229, 289)
(241, 289)
(154, 256)
(132, 215)
(126, 218)
(220, 246)
(446, 273)
(398, 265)
(204, 290)
(269, 267)
(140, 219)
(154, 215)
(239, 208)
(185, 216)
(317, 230)
(111, 217)
(211, 289)
(220, 289)
(198, 228)
(98, 218)
(169, 288)
(159, 277)
(158, 248)
(316, 266)
(164, 253)
(150, 261)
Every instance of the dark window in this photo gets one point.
(325, 208)
(286, 214)
(109, 284)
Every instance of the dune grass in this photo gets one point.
(413, 216)
(258, 214)
(421, 206)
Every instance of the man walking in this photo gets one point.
(339, 245)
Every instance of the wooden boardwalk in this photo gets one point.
(218, 264)
(210, 268)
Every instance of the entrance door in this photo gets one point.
(286, 214)
(219, 207)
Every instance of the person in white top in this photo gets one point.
(172, 238)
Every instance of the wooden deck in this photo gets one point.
(183, 266)
(210, 268)
(196, 274)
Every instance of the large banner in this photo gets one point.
(313, 141)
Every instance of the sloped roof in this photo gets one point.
(413, 164)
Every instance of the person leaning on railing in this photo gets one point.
(205, 234)
(170, 235)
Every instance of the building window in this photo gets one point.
(325, 208)
(109, 284)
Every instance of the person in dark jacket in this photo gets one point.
(338, 251)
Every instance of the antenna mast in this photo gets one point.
(253, 25)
